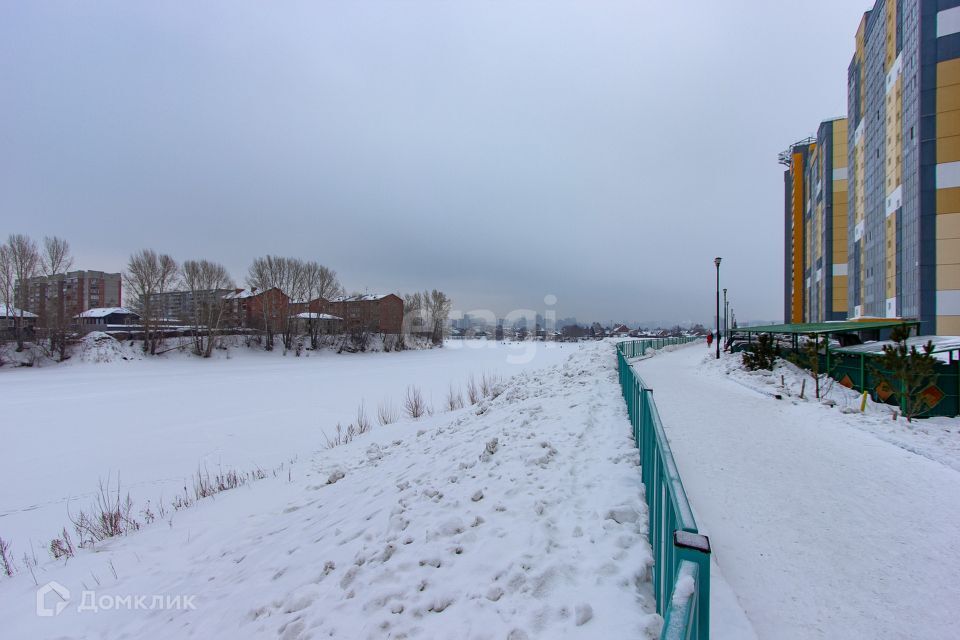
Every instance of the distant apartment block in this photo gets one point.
(183, 306)
(904, 152)
(825, 283)
(71, 293)
(796, 195)
(815, 223)
(894, 199)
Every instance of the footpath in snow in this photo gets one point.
(519, 517)
(823, 529)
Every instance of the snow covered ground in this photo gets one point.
(520, 517)
(825, 524)
(154, 422)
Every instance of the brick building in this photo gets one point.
(378, 313)
(256, 310)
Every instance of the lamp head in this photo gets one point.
(716, 261)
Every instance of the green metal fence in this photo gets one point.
(859, 372)
(681, 571)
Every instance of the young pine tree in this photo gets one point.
(761, 355)
(907, 371)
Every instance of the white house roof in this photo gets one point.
(941, 344)
(307, 315)
(361, 298)
(102, 312)
(236, 295)
(13, 312)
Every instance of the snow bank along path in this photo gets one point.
(821, 529)
(521, 517)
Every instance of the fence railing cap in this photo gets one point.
(691, 540)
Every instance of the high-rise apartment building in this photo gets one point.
(815, 224)
(904, 157)
(796, 192)
(71, 293)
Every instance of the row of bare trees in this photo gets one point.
(302, 281)
(21, 259)
(428, 313)
(149, 274)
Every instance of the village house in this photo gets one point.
(8, 321)
(106, 318)
(323, 323)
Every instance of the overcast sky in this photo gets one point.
(602, 152)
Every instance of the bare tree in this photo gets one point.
(439, 306)
(7, 281)
(206, 281)
(149, 273)
(22, 260)
(56, 261)
(416, 316)
(287, 275)
(319, 282)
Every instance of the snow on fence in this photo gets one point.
(681, 571)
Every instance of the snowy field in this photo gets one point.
(519, 517)
(825, 522)
(154, 422)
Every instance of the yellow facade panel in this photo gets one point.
(948, 149)
(891, 39)
(948, 122)
(948, 200)
(948, 225)
(948, 98)
(948, 251)
(948, 276)
(948, 325)
(948, 72)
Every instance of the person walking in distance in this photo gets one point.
(709, 338)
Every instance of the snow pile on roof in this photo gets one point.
(14, 312)
(239, 295)
(102, 312)
(940, 344)
(521, 516)
(307, 315)
(366, 297)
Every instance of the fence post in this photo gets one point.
(695, 547)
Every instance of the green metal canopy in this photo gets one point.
(819, 328)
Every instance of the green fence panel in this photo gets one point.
(679, 550)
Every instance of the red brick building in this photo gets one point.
(257, 310)
(378, 313)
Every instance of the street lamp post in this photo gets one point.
(716, 261)
(726, 324)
